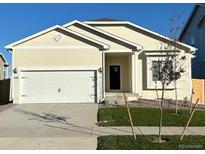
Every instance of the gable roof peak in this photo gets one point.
(106, 19)
(190, 18)
(132, 44)
(12, 45)
(133, 25)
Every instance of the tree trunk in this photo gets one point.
(157, 94)
(175, 88)
(190, 105)
(161, 114)
(176, 99)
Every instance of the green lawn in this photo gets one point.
(148, 117)
(146, 143)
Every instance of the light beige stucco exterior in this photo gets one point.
(126, 68)
(112, 44)
(55, 59)
(151, 43)
(45, 53)
(48, 39)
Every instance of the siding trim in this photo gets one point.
(192, 49)
(97, 43)
(138, 47)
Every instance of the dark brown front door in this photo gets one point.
(115, 77)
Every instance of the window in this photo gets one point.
(154, 66)
(156, 70)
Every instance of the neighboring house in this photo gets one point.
(193, 34)
(3, 67)
(83, 61)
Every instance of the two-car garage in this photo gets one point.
(57, 65)
(53, 86)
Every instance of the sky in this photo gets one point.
(21, 20)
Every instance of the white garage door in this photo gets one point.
(57, 87)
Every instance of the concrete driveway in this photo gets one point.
(48, 126)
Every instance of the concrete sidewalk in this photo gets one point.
(64, 126)
(82, 137)
(102, 131)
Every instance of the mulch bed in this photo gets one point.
(146, 103)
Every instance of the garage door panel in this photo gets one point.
(57, 86)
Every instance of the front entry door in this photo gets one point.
(115, 77)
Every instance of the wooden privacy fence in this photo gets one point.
(198, 86)
(4, 91)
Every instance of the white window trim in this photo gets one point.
(150, 83)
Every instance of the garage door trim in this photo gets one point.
(61, 70)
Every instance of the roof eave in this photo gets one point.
(192, 49)
(139, 47)
(4, 59)
(188, 21)
(11, 46)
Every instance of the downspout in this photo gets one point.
(133, 70)
(135, 73)
(103, 76)
(190, 70)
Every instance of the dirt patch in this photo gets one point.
(146, 103)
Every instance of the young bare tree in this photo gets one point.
(176, 26)
(167, 73)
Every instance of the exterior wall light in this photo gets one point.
(14, 70)
(100, 70)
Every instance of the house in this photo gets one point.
(85, 61)
(193, 34)
(3, 67)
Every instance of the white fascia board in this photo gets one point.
(192, 49)
(4, 58)
(71, 23)
(139, 47)
(105, 46)
(10, 46)
(161, 54)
